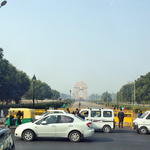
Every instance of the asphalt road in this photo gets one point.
(125, 139)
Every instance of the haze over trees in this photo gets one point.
(106, 97)
(15, 84)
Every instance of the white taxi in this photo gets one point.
(56, 125)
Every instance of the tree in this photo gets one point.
(55, 94)
(142, 88)
(41, 89)
(94, 97)
(106, 97)
(13, 83)
(1, 53)
(126, 92)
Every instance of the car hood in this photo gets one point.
(137, 120)
(25, 124)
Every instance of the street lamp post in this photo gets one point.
(3, 3)
(33, 90)
(70, 93)
(134, 96)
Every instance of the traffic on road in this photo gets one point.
(87, 125)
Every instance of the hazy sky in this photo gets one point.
(105, 43)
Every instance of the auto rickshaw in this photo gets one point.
(17, 116)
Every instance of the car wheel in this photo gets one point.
(106, 129)
(28, 135)
(143, 130)
(75, 136)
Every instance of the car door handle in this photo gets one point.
(53, 126)
(70, 126)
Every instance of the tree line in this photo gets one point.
(133, 92)
(16, 84)
(105, 97)
(136, 92)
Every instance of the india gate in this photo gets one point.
(80, 91)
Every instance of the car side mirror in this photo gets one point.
(43, 123)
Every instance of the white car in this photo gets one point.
(56, 125)
(102, 119)
(142, 124)
(49, 112)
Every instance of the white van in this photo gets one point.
(102, 119)
(142, 124)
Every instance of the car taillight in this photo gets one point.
(89, 124)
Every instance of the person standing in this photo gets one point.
(140, 113)
(68, 111)
(19, 114)
(121, 118)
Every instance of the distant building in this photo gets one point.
(80, 91)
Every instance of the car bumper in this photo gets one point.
(88, 133)
(135, 126)
(18, 133)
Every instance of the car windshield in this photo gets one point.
(144, 115)
(44, 114)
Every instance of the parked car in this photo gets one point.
(6, 140)
(142, 123)
(49, 112)
(56, 125)
(103, 119)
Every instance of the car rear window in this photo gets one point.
(96, 113)
(65, 119)
(107, 113)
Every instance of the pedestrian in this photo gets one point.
(12, 118)
(77, 111)
(68, 111)
(121, 118)
(140, 113)
(19, 114)
(73, 112)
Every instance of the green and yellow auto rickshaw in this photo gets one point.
(17, 116)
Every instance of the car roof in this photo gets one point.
(66, 114)
(96, 109)
(55, 110)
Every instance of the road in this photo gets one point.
(85, 104)
(125, 139)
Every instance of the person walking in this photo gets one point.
(121, 118)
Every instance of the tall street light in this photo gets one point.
(70, 93)
(33, 90)
(3, 3)
(134, 96)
